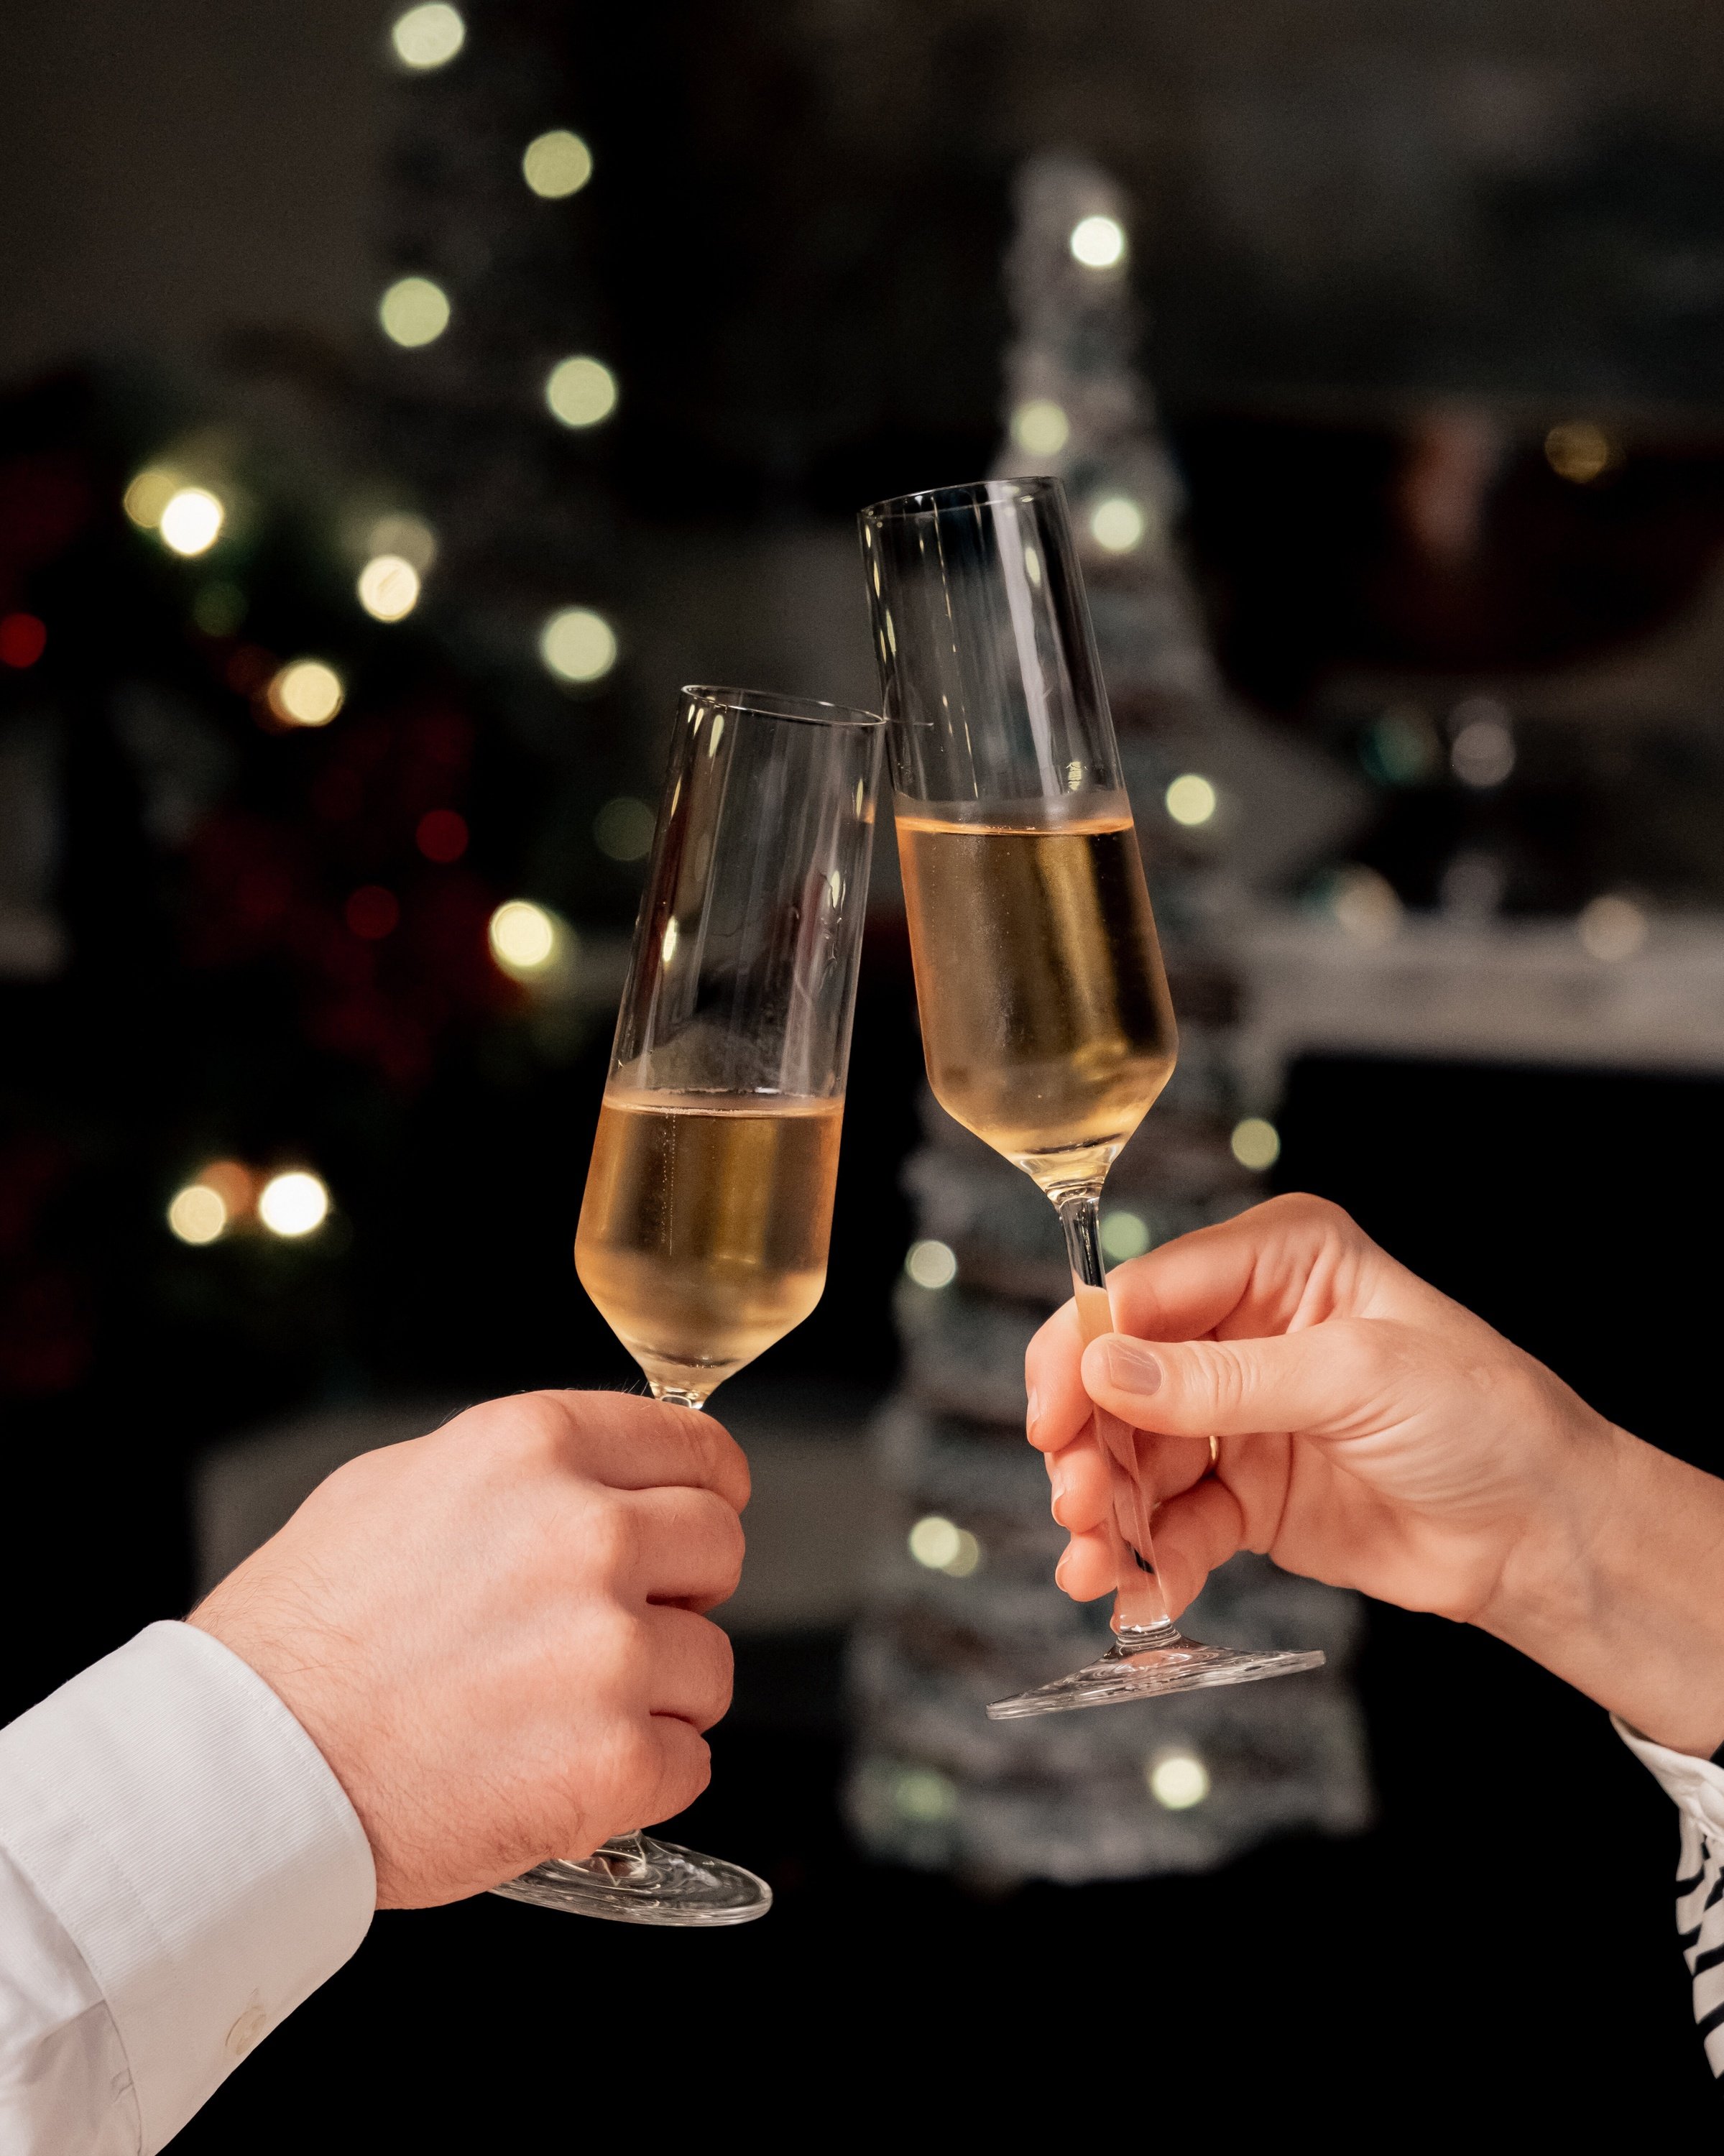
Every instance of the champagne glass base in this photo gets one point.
(1156, 1660)
(635, 1880)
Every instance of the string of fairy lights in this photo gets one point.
(190, 505)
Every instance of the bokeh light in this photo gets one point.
(197, 1214)
(622, 830)
(1612, 928)
(1178, 1779)
(23, 639)
(931, 1264)
(577, 645)
(441, 835)
(1365, 905)
(428, 37)
(1191, 799)
(414, 311)
(294, 1203)
(388, 588)
(1579, 451)
(1117, 524)
(191, 520)
(934, 1542)
(1482, 753)
(1040, 427)
(150, 494)
(306, 693)
(581, 392)
(1256, 1143)
(939, 1545)
(1098, 242)
(924, 1794)
(1124, 1235)
(372, 912)
(411, 538)
(523, 937)
(556, 164)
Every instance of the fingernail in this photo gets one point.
(1032, 1410)
(1059, 1572)
(1058, 1496)
(1131, 1368)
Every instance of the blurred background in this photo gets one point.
(396, 406)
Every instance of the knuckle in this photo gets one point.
(609, 1537)
(615, 1650)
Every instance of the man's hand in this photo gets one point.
(1374, 1434)
(493, 1636)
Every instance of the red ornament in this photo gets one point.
(22, 639)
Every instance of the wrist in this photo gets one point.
(1616, 1588)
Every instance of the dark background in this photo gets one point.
(1352, 219)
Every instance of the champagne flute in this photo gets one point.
(1046, 1022)
(703, 1230)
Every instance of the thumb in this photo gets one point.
(1319, 1382)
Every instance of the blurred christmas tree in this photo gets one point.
(965, 1608)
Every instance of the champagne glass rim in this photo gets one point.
(767, 704)
(967, 494)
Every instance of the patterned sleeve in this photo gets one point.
(1696, 1787)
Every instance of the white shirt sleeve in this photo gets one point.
(1696, 1787)
(178, 1869)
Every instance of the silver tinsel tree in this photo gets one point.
(963, 1607)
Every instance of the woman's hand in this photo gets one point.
(1374, 1434)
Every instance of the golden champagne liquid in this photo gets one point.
(1045, 1016)
(704, 1226)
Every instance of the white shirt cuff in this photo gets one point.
(192, 1840)
(1695, 1786)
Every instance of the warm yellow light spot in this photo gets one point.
(577, 645)
(293, 1203)
(931, 1265)
(149, 494)
(669, 941)
(411, 538)
(1256, 1143)
(388, 588)
(191, 520)
(1190, 799)
(941, 1546)
(197, 1213)
(1099, 243)
(1040, 427)
(556, 164)
(523, 937)
(933, 1542)
(1178, 1779)
(1612, 928)
(1117, 524)
(1124, 1235)
(623, 829)
(581, 392)
(1579, 451)
(414, 311)
(306, 693)
(428, 37)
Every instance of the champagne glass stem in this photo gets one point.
(1140, 1608)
